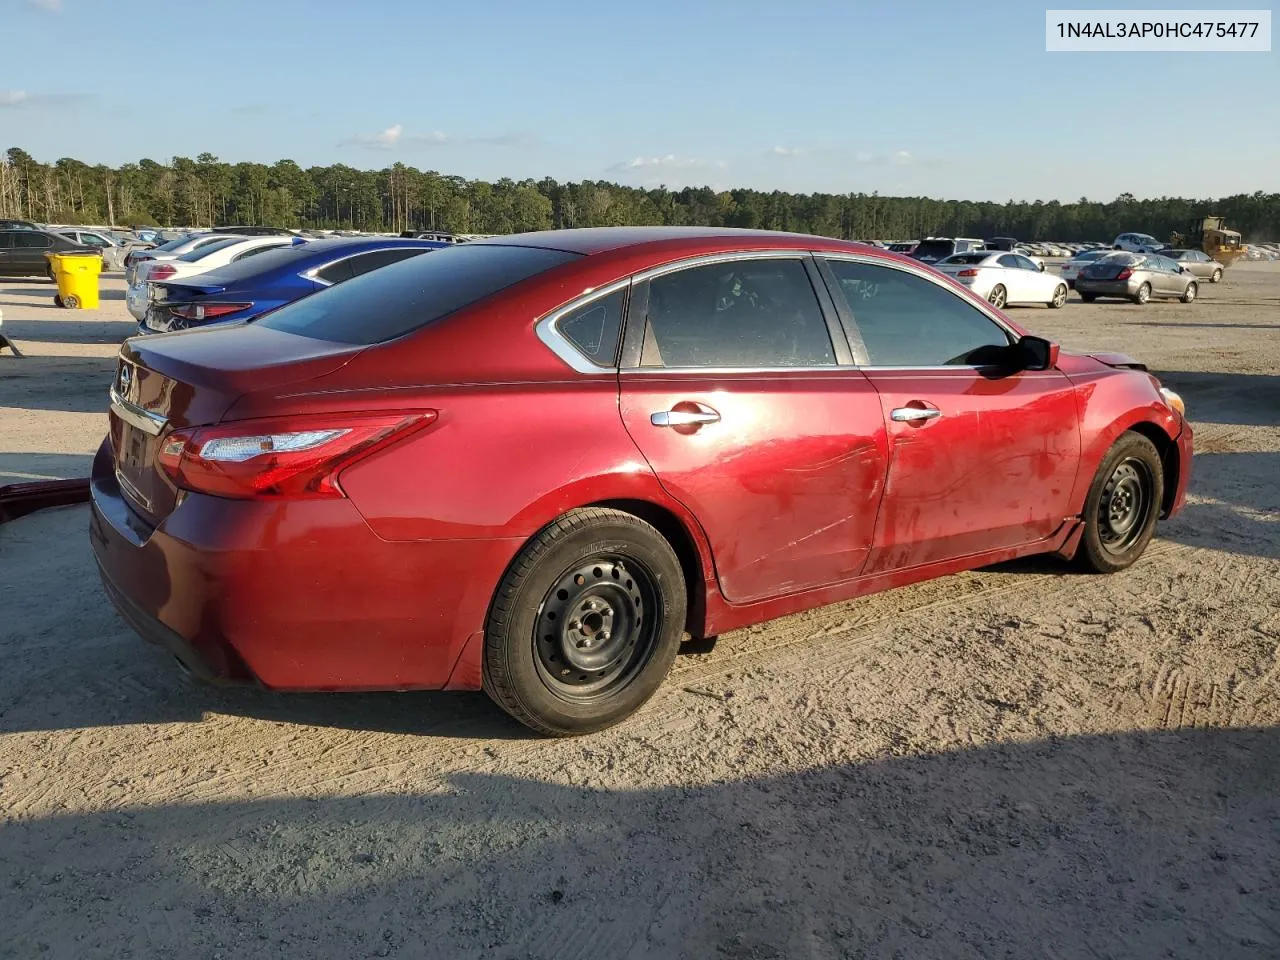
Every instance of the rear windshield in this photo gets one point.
(405, 296)
(935, 248)
(976, 257)
(172, 244)
(258, 263)
(199, 253)
(1090, 255)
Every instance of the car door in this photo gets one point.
(980, 459)
(1172, 280)
(6, 253)
(29, 249)
(738, 390)
(1040, 284)
(1015, 280)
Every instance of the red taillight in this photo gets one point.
(207, 311)
(162, 271)
(1124, 274)
(967, 273)
(296, 457)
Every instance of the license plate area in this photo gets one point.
(135, 452)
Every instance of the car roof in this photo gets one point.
(593, 240)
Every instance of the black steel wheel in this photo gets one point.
(592, 636)
(1123, 505)
(585, 624)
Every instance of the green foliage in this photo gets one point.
(207, 192)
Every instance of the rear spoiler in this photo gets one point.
(192, 284)
(19, 499)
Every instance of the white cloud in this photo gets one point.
(11, 98)
(385, 140)
(20, 98)
(668, 162)
(901, 158)
(49, 6)
(779, 151)
(396, 136)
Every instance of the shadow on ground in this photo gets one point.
(74, 384)
(1245, 399)
(1127, 845)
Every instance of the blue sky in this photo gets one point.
(942, 99)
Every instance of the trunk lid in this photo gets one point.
(166, 382)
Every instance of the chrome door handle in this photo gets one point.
(685, 418)
(914, 414)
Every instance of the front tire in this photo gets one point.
(1059, 297)
(1122, 507)
(1217, 277)
(1190, 293)
(586, 623)
(998, 296)
(1144, 294)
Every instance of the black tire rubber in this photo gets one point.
(511, 672)
(1138, 298)
(1217, 277)
(1053, 305)
(1190, 294)
(1088, 297)
(1004, 297)
(1093, 556)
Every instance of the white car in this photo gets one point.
(1137, 243)
(168, 251)
(112, 252)
(1005, 278)
(1071, 269)
(208, 256)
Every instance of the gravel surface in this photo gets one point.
(1015, 762)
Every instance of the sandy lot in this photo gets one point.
(1016, 762)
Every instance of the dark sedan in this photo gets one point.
(22, 252)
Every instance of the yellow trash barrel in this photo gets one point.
(77, 276)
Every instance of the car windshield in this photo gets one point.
(976, 257)
(394, 300)
(935, 248)
(203, 251)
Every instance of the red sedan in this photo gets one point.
(531, 464)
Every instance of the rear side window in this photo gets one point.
(908, 321)
(379, 258)
(594, 328)
(741, 313)
(29, 238)
(406, 296)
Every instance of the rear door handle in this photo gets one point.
(685, 418)
(914, 414)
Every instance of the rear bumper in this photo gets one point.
(293, 595)
(1107, 288)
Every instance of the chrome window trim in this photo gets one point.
(548, 330)
(132, 414)
(729, 371)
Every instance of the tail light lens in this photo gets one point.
(967, 273)
(1124, 274)
(162, 271)
(297, 457)
(207, 311)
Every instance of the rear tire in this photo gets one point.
(585, 624)
(1217, 277)
(1190, 293)
(998, 296)
(1059, 297)
(1122, 506)
(1088, 297)
(1144, 294)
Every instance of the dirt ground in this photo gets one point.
(1016, 762)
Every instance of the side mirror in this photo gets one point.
(1038, 353)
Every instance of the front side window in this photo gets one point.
(594, 328)
(32, 239)
(739, 313)
(1009, 260)
(907, 321)
(1026, 264)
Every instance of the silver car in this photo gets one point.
(1137, 277)
(1198, 262)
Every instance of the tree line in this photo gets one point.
(207, 191)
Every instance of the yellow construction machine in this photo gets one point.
(1211, 235)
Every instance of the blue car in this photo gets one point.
(251, 287)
